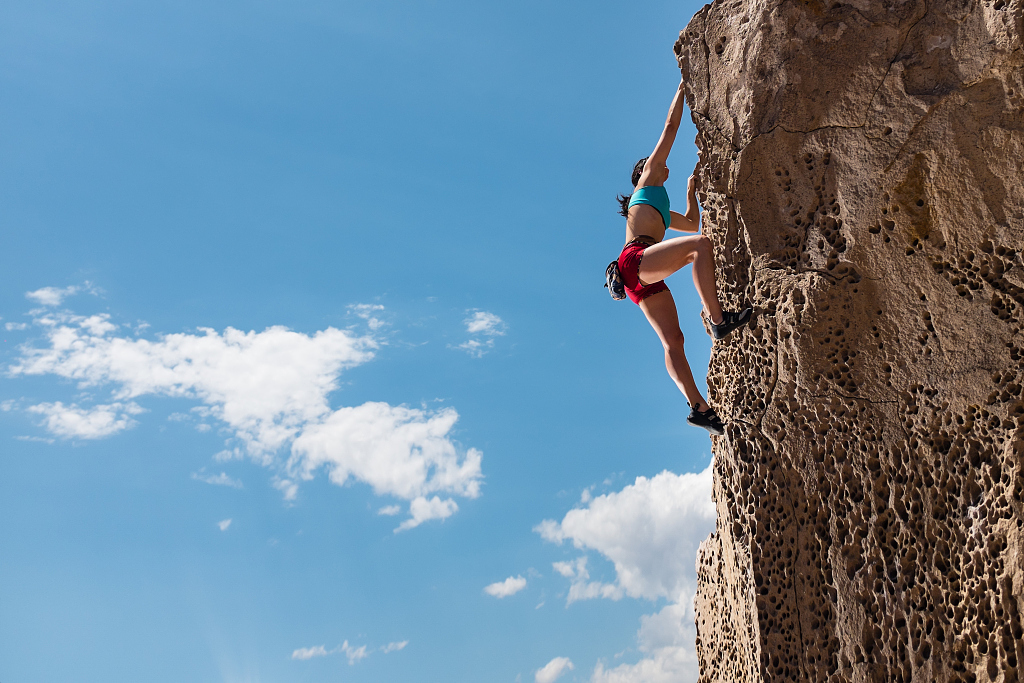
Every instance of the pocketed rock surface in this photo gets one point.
(864, 189)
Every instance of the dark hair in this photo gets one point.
(623, 199)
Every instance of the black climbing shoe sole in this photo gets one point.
(730, 321)
(708, 420)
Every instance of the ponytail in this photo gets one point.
(623, 199)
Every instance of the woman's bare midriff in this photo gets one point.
(644, 221)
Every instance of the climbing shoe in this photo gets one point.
(613, 281)
(708, 420)
(730, 321)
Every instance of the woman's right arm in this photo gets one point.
(668, 135)
(690, 221)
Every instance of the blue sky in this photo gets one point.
(308, 373)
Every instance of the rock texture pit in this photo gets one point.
(863, 184)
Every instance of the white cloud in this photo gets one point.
(15, 326)
(310, 652)
(400, 451)
(482, 322)
(486, 326)
(423, 510)
(476, 348)
(650, 531)
(394, 647)
(50, 296)
(368, 313)
(503, 589)
(53, 296)
(550, 530)
(264, 385)
(552, 670)
(224, 524)
(35, 438)
(287, 487)
(228, 455)
(667, 638)
(354, 654)
(581, 587)
(86, 423)
(390, 510)
(221, 479)
(270, 388)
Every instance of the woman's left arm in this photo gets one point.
(690, 221)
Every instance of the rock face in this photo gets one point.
(864, 189)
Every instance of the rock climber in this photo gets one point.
(648, 258)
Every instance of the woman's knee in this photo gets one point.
(703, 244)
(673, 341)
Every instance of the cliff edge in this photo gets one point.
(863, 184)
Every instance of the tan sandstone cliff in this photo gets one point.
(864, 189)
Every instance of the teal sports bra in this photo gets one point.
(653, 195)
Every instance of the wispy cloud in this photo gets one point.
(221, 479)
(503, 589)
(352, 653)
(310, 652)
(39, 439)
(270, 389)
(394, 647)
(369, 313)
(551, 671)
(482, 322)
(224, 524)
(53, 296)
(476, 347)
(12, 327)
(484, 327)
(582, 588)
(86, 423)
(422, 510)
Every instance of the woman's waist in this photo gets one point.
(649, 222)
(649, 240)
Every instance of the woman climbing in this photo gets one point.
(646, 261)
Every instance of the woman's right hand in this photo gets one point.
(691, 183)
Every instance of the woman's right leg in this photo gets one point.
(660, 310)
(662, 259)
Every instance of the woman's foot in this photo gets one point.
(707, 419)
(730, 321)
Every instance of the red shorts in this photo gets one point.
(629, 271)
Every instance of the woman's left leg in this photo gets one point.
(660, 310)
